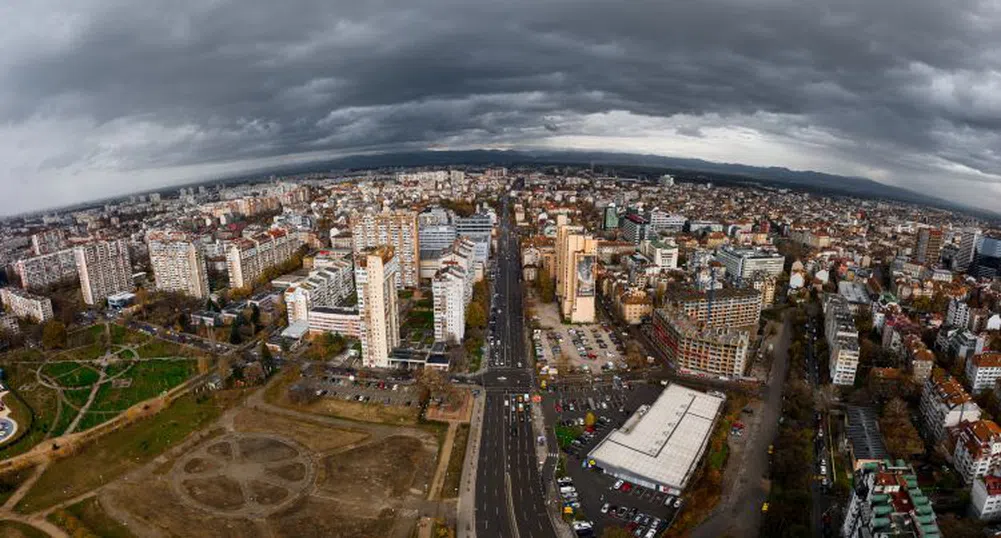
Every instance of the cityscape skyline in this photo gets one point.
(99, 96)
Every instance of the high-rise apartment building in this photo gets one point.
(842, 339)
(248, 258)
(42, 271)
(691, 345)
(397, 229)
(945, 404)
(448, 291)
(27, 305)
(611, 217)
(927, 245)
(635, 228)
(376, 271)
(727, 307)
(105, 268)
(178, 263)
(48, 241)
(479, 229)
(576, 264)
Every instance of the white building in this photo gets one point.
(248, 258)
(842, 339)
(104, 268)
(42, 271)
(397, 229)
(958, 314)
(376, 274)
(329, 285)
(448, 291)
(978, 448)
(985, 497)
(345, 321)
(27, 305)
(982, 371)
(944, 404)
(744, 263)
(660, 446)
(178, 263)
(663, 254)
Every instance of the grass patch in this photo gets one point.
(69, 374)
(115, 368)
(149, 379)
(119, 452)
(124, 336)
(34, 409)
(16, 529)
(566, 435)
(89, 515)
(11, 480)
(77, 397)
(453, 474)
(161, 348)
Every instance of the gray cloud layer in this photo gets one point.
(103, 96)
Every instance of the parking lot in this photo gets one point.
(350, 388)
(589, 347)
(637, 508)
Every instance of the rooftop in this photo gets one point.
(663, 442)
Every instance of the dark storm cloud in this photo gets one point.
(105, 86)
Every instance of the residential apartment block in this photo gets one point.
(105, 268)
(27, 305)
(376, 274)
(690, 344)
(248, 258)
(842, 339)
(329, 285)
(982, 371)
(886, 501)
(178, 263)
(746, 263)
(448, 292)
(944, 404)
(576, 267)
(977, 448)
(47, 269)
(397, 229)
(985, 498)
(728, 307)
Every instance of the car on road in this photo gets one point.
(604, 508)
(618, 484)
(764, 508)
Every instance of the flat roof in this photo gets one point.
(664, 441)
(864, 435)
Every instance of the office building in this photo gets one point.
(727, 307)
(887, 502)
(436, 236)
(611, 217)
(977, 450)
(48, 241)
(842, 339)
(397, 229)
(944, 404)
(982, 371)
(690, 345)
(576, 263)
(927, 246)
(46, 270)
(635, 228)
(987, 258)
(746, 263)
(659, 447)
(249, 258)
(448, 290)
(104, 268)
(178, 263)
(968, 239)
(478, 229)
(376, 274)
(26, 305)
(663, 254)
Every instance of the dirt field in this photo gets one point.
(270, 475)
(277, 394)
(316, 437)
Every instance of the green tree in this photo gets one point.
(902, 439)
(267, 360)
(255, 318)
(546, 286)
(54, 334)
(476, 316)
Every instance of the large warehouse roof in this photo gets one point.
(663, 442)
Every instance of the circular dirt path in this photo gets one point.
(244, 475)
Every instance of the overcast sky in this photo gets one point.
(100, 97)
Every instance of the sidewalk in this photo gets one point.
(466, 510)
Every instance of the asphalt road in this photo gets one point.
(749, 493)
(510, 498)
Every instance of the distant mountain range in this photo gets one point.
(648, 166)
